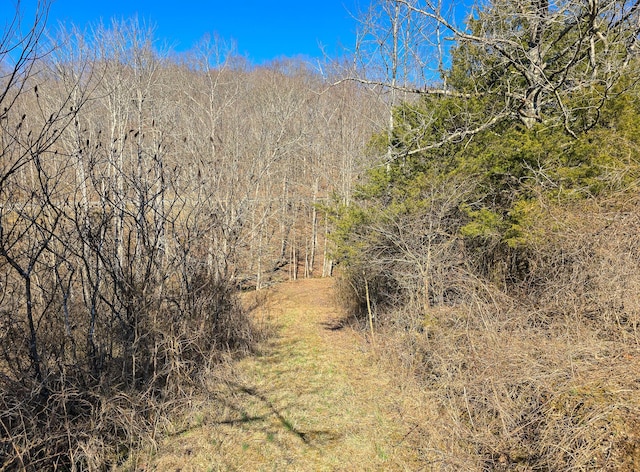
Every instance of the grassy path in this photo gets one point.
(312, 400)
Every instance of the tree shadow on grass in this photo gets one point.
(312, 438)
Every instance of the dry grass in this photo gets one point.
(312, 399)
(510, 398)
(545, 374)
(544, 377)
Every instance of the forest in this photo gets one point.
(472, 189)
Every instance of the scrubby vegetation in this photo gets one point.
(140, 191)
(491, 242)
(497, 244)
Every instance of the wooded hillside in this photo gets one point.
(139, 192)
(474, 181)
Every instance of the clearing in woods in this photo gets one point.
(313, 399)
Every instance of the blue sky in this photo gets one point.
(263, 30)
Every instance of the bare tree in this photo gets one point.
(30, 174)
(534, 61)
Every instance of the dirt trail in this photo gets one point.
(312, 400)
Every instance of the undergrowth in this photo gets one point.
(73, 420)
(533, 364)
